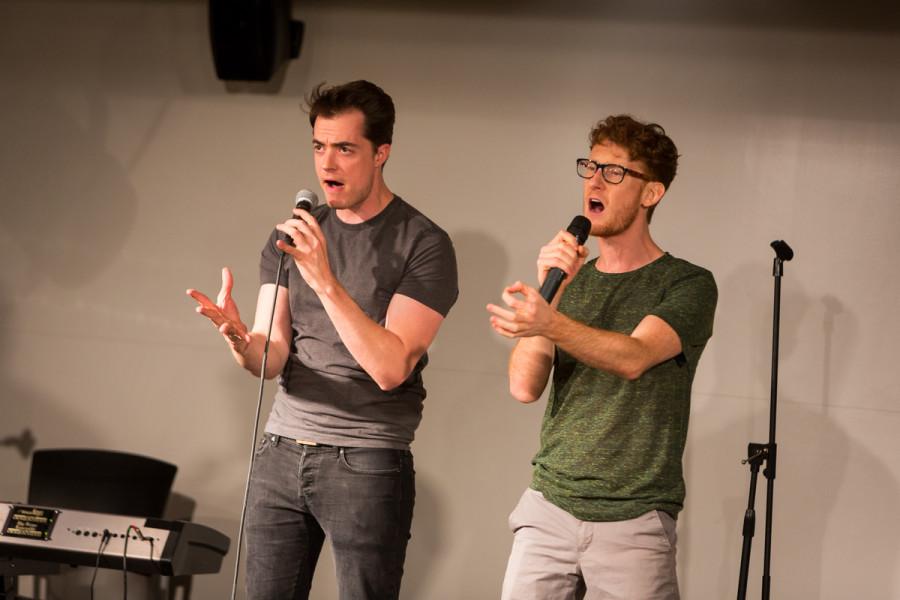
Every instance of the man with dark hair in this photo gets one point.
(622, 340)
(363, 96)
(368, 283)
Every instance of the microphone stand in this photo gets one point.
(306, 200)
(262, 382)
(758, 454)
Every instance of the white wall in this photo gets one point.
(129, 173)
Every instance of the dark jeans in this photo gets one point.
(360, 498)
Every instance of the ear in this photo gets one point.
(652, 193)
(381, 154)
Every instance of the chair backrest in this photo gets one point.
(100, 481)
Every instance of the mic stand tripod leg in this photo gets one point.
(756, 454)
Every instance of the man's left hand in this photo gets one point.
(528, 313)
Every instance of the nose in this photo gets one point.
(596, 180)
(328, 162)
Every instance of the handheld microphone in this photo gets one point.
(580, 227)
(305, 199)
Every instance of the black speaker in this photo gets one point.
(252, 39)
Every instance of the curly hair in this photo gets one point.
(375, 105)
(646, 142)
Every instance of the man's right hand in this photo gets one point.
(224, 313)
(563, 252)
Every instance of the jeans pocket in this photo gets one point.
(372, 461)
(263, 444)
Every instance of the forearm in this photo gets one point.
(379, 352)
(530, 364)
(251, 358)
(616, 353)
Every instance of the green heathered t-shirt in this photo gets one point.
(611, 448)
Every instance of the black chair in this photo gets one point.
(100, 481)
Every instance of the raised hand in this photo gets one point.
(224, 313)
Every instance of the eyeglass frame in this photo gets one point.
(600, 168)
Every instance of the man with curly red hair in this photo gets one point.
(622, 341)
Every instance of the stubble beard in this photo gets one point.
(617, 225)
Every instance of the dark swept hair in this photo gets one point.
(646, 142)
(372, 101)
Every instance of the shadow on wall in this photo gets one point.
(466, 350)
(31, 415)
(61, 193)
(819, 465)
(27, 412)
(427, 538)
(466, 341)
(69, 221)
(23, 443)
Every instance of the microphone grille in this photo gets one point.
(306, 199)
(580, 227)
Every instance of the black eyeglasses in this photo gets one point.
(611, 173)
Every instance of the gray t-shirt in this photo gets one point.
(324, 395)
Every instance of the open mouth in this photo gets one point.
(595, 206)
(333, 184)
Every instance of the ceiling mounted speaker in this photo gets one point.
(252, 39)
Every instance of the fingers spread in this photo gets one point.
(201, 298)
(227, 284)
(212, 313)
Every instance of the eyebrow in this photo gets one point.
(336, 144)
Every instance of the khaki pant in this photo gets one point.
(558, 557)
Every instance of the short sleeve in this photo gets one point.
(430, 276)
(268, 262)
(688, 306)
